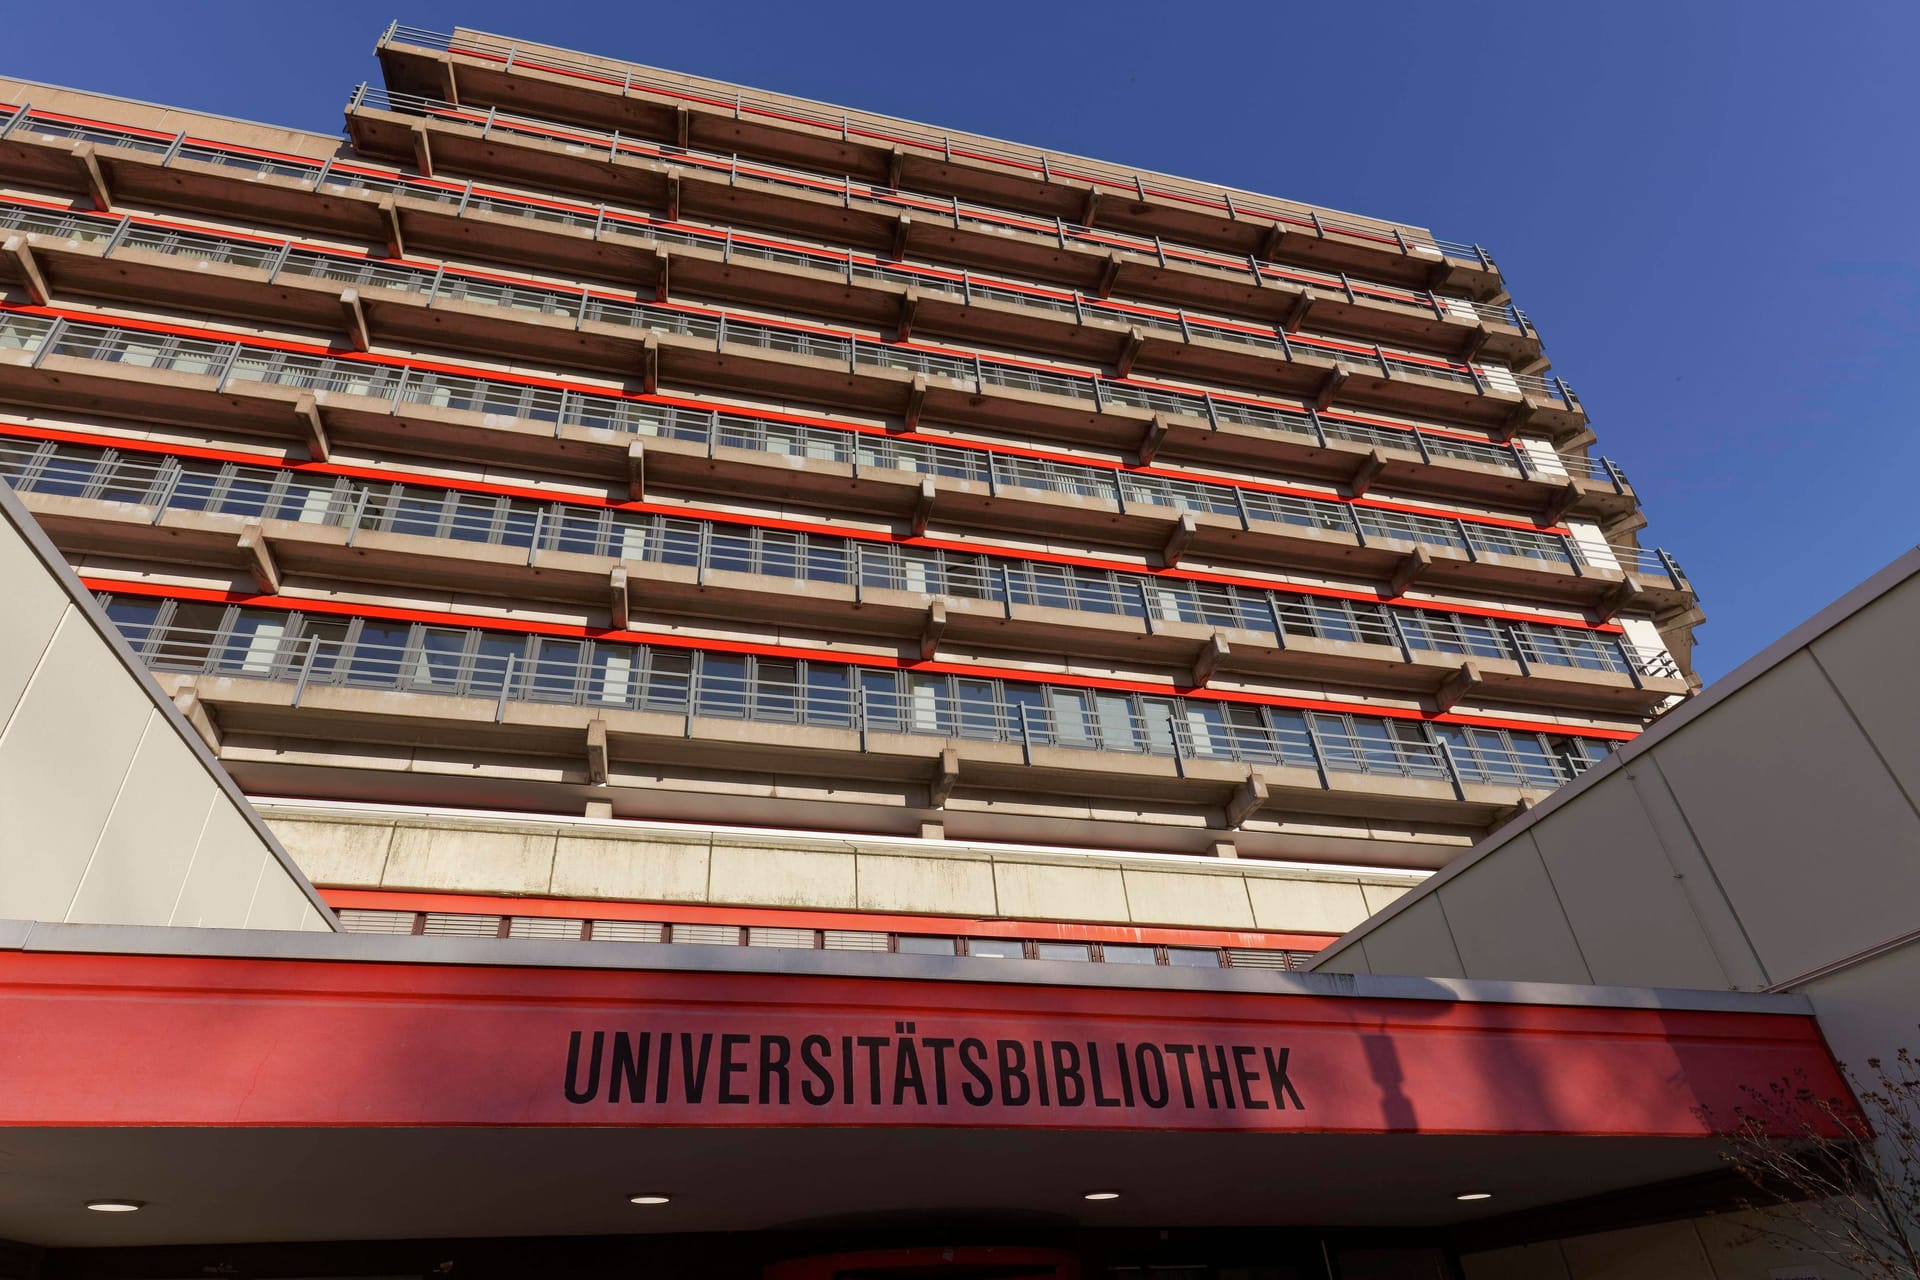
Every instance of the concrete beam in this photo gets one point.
(1270, 247)
(1564, 499)
(946, 776)
(1418, 561)
(28, 267)
(909, 303)
(1476, 342)
(1297, 313)
(650, 364)
(355, 317)
(1152, 437)
(896, 159)
(662, 271)
(682, 125)
(1223, 849)
(1090, 207)
(923, 507)
(313, 429)
(1129, 351)
(259, 556)
(1336, 379)
(1109, 273)
(1214, 652)
(673, 196)
(598, 809)
(97, 189)
(933, 831)
(1247, 799)
(390, 214)
(916, 400)
(1522, 414)
(932, 629)
(1622, 527)
(422, 150)
(1455, 688)
(902, 227)
(1367, 472)
(617, 598)
(597, 752)
(186, 700)
(1178, 540)
(637, 471)
(1625, 594)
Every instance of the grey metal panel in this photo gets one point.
(1621, 891)
(1811, 839)
(1874, 661)
(1420, 943)
(1506, 922)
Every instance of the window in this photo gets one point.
(1128, 953)
(908, 944)
(997, 948)
(1194, 957)
(1062, 951)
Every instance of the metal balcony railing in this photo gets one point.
(1042, 164)
(187, 484)
(241, 362)
(846, 188)
(283, 258)
(597, 217)
(504, 667)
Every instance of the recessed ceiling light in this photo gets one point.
(649, 1199)
(1103, 1195)
(1474, 1195)
(115, 1206)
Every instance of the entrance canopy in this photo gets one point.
(280, 1086)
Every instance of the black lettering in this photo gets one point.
(1013, 1071)
(811, 1051)
(906, 1073)
(693, 1075)
(666, 1060)
(1247, 1076)
(1154, 1095)
(592, 1090)
(846, 1071)
(1066, 1069)
(939, 1046)
(775, 1051)
(1210, 1073)
(1180, 1052)
(1100, 1098)
(973, 1057)
(1282, 1087)
(1040, 1073)
(629, 1066)
(873, 1045)
(729, 1068)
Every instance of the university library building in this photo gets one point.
(607, 674)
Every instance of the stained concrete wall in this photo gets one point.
(398, 849)
(111, 810)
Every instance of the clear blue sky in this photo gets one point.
(1709, 209)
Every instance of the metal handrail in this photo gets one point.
(592, 215)
(1040, 163)
(282, 257)
(275, 493)
(239, 361)
(491, 119)
(507, 667)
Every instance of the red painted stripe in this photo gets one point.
(386, 474)
(769, 917)
(880, 662)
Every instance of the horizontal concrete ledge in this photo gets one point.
(251, 944)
